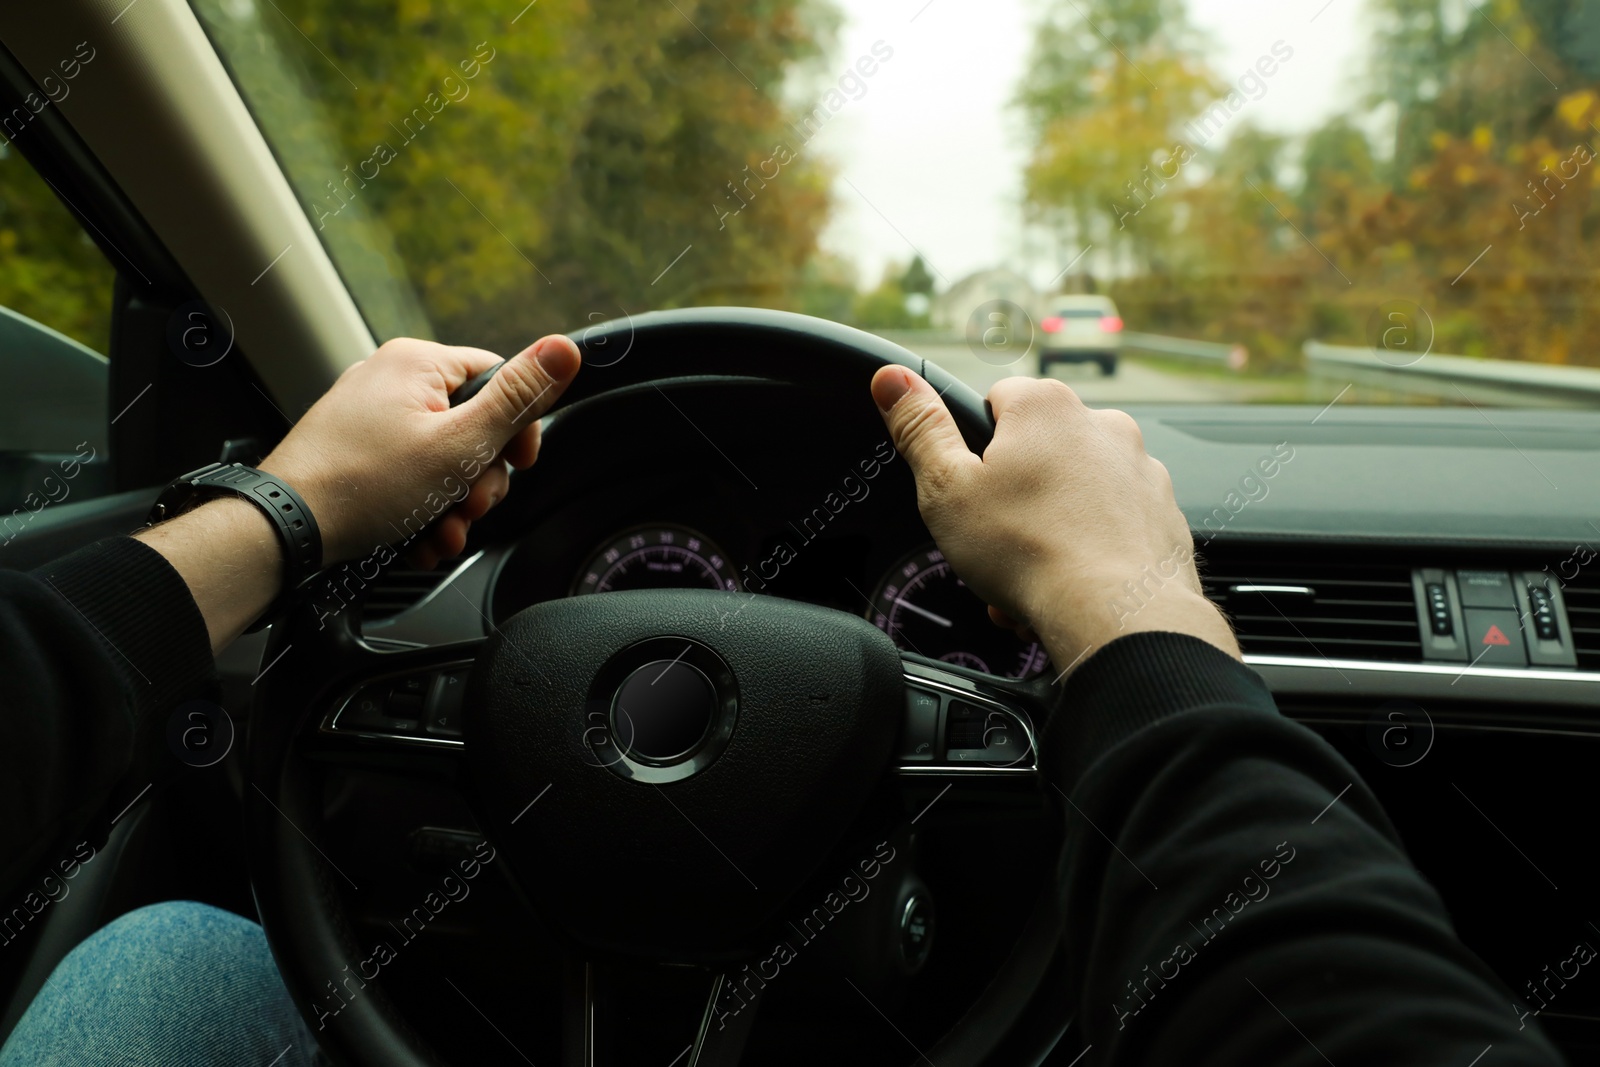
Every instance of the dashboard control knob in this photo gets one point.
(916, 930)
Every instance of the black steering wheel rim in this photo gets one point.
(629, 352)
(296, 887)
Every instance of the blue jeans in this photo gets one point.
(170, 985)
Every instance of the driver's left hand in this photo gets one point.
(382, 458)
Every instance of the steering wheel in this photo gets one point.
(648, 725)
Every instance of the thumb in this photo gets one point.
(523, 388)
(921, 427)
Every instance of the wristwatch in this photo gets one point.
(297, 528)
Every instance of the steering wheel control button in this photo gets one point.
(663, 711)
(966, 726)
(984, 735)
(445, 704)
(919, 736)
(1486, 589)
(423, 706)
(1494, 639)
(364, 711)
(1003, 738)
(404, 706)
(916, 931)
(414, 686)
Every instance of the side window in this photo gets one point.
(55, 327)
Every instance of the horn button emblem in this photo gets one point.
(661, 710)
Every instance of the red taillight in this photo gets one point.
(1110, 324)
(1051, 325)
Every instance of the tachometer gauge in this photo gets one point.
(656, 557)
(926, 609)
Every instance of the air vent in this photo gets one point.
(398, 588)
(1332, 611)
(1583, 612)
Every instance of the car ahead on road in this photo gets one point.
(1081, 329)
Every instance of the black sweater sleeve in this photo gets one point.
(95, 650)
(1223, 907)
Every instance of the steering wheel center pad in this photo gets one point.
(693, 868)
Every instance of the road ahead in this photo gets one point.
(1135, 382)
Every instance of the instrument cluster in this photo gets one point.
(918, 600)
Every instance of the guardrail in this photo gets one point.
(1457, 377)
(1233, 355)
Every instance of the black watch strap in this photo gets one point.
(297, 528)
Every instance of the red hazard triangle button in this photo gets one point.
(1495, 637)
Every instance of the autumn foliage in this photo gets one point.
(1462, 180)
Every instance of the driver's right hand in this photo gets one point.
(1065, 526)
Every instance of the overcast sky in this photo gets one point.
(934, 155)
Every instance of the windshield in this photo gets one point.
(1352, 201)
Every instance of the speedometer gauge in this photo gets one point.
(926, 609)
(656, 557)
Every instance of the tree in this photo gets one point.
(1336, 162)
(884, 307)
(917, 279)
(827, 288)
(601, 158)
(1105, 98)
